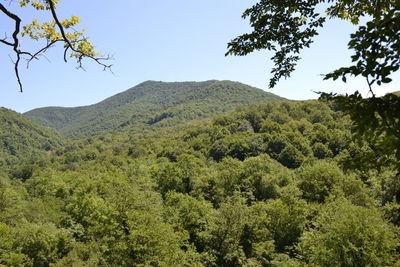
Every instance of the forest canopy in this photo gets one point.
(265, 185)
(284, 183)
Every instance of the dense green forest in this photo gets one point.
(21, 139)
(150, 105)
(273, 184)
(212, 173)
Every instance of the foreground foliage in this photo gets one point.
(288, 27)
(48, 34)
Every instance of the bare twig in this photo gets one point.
(370, 87)
(40, 51)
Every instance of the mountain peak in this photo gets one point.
(151, 103)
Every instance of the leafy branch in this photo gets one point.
(76, 45)
(287, 27)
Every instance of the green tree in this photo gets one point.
(321, 151)
(9, 256)
(349, 235)
(190, 214)
(223, 238)
(291, 157)
(286, 218)
(322, 179)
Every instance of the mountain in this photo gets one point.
(150, 104)
(20, 138)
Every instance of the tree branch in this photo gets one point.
(370, 87)
(16, 41)
(69, 45)
(42, 50)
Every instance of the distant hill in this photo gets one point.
(150, 104)
(20, 138)
(396, 93)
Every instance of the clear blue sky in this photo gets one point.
(174, 40)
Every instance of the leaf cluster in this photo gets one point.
(49, 33)
(287, 27)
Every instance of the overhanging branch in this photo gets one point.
(14, 43)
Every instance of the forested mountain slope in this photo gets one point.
(20, 138)
(265, 185)
(150, 104)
